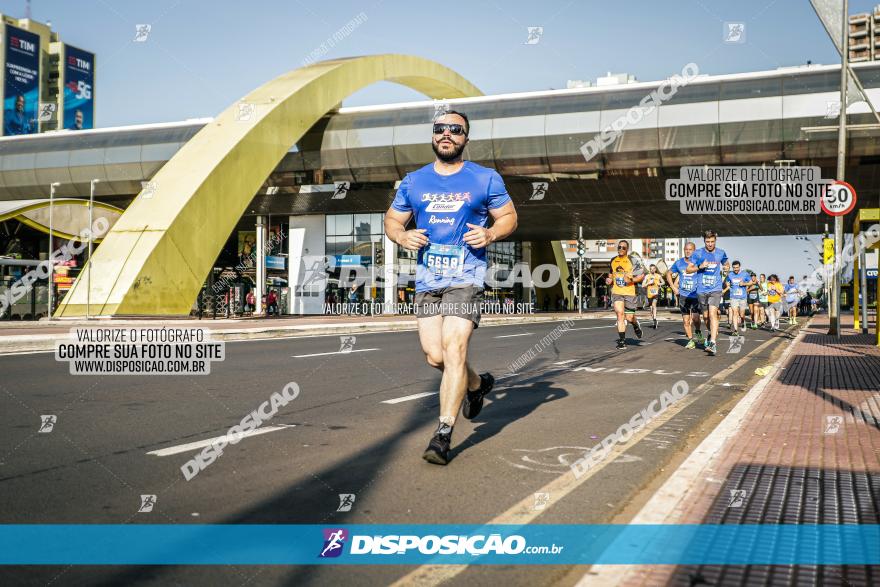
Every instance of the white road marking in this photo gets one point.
(512, 335)
(173, 450)
(593, 327)
(407, 398)
(334, 353)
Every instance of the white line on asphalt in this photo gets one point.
(173, 450)
(512, 335)
(334, 353)
(593, 327)
(407, 398)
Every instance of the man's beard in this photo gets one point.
(448, 157)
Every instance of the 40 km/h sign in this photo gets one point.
(839, 199)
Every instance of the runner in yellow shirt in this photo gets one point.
(652, 284)
(626, 272)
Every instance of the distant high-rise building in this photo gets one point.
(864, 36)
(45, 83)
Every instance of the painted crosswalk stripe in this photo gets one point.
(407, 398)
(173, 450)
(334, 353)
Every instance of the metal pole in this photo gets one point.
(834, 307)
(580, 273)
(863, 278)
(89, 274)
(52, 187)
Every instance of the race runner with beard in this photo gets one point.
(451, 201)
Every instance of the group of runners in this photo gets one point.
(700, 281)
(450, 202)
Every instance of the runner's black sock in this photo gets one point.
(621, 335)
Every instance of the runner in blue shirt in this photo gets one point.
(738, 283)
(684, 285)
(707, 264)
(792, 297)
(450, 201)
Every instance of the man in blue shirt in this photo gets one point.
(707, 264)
(451, 201)
(738, 283)
(16, 122)
(684, 285)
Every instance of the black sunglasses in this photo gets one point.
(455, 129)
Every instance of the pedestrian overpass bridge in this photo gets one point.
(784, 116)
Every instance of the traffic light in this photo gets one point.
(582, 247)
(570, 279)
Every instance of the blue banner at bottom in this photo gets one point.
(164, 544)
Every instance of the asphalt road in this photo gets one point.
(342, 436)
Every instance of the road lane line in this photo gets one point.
(173, 450)
(512, 335)
(333, 353)
(592, 327)
(407, 398)
(524, 512)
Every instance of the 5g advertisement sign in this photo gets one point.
(79, 88)
(21, 87)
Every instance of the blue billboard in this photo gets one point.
(21, 82)
(79, 89)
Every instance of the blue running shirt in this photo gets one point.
(444, 205)
(687, 282)
(738, 283)
(709, 279)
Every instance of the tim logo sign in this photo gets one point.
(334, 542)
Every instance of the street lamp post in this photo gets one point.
(92, 185)
(834, 289)
(52, 187)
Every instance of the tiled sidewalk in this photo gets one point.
(802, 448)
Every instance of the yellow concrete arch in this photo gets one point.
(155, 259)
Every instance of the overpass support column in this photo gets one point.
(389, 274)
(261, 265)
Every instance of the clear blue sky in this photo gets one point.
(202, 55)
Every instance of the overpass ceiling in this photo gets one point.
(610, 206)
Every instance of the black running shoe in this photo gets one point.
(438, 449)
(621, 344)
(655, 324)
(638, 328)
(473, 400)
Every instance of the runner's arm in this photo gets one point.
(395, 229)
(504, 223)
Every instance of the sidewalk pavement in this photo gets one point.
(802, 447)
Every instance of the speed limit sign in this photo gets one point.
(839, 199)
